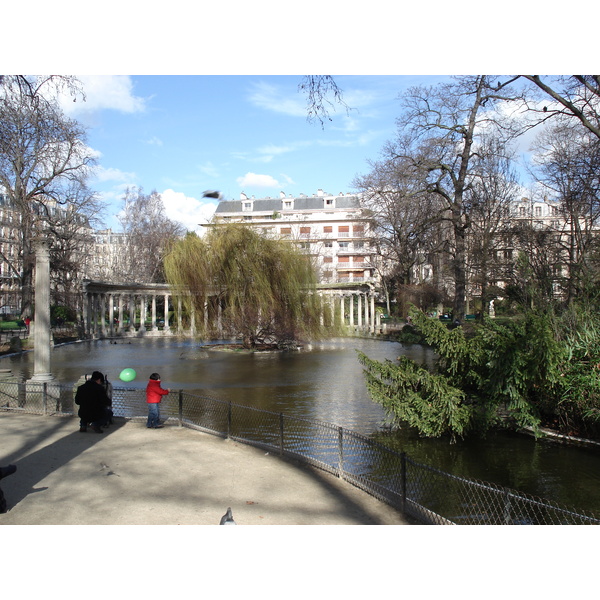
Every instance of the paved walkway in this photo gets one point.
(177, 476)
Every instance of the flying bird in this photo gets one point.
(212, 194)
(227, 518)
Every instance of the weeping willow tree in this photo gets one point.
(258, 289)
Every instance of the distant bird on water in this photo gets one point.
(227, 518)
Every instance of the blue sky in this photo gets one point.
(215, 104)
(183, 134)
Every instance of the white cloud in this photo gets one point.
(209, 169)
(102, 175)
(154, 141)
(113, 92)
(250, 180)
(270, 97)
(188, 211)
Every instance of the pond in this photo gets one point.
(324, 381)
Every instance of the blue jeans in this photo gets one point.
(153, 414)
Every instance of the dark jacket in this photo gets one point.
(92, 400)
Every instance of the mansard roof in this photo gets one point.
(299, 203)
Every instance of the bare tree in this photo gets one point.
(493, 188)
(573, 96)
(404, 232)
(42, 156)
(322, 93)
(149, 233)
(440, 135)
(567, 164)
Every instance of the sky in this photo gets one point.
(184, 134)
(182, 99)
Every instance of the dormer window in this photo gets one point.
(288, 204)
(329, 203)
(247, 206)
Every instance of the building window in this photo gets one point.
(344, 230)
(286, 231)
(537, 211)
(343, 259)
(304, 230)
(246, 206)
(344, 244)
(328, 229)
(359, 259)
(328, 244)
(328, 259)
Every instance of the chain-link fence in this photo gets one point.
(422, 492)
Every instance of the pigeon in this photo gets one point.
(227, 518)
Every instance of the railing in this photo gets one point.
(421, 492)
(7, 334)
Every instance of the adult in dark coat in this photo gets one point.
(94, 404)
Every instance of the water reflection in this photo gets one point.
(325, 382)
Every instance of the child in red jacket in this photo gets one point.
(154, 394)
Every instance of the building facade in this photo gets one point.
(333, 230)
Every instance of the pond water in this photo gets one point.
(325, 382)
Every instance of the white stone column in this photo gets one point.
(41, 330)
(373, 323)
(351, 310)
(179, 316)
(154, 325)
(166, 327)
(120, 327)
(143, 308)
(87, 320)
(342, 311)
(103, 315)
(359, 310)
(94, 305)
(111, 314)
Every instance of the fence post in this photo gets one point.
(180, 411)
(403, 479)
(281, 434)
(506, 507)
(341, 452)
(45, 397)
(229, 419)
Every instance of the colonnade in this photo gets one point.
(105, 306)
(356, 308)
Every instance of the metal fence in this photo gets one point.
(421, 492)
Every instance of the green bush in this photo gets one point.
(537, 369)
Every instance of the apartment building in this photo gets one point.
(333, 229)
(76, 244)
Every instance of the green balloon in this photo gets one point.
(127, 375)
